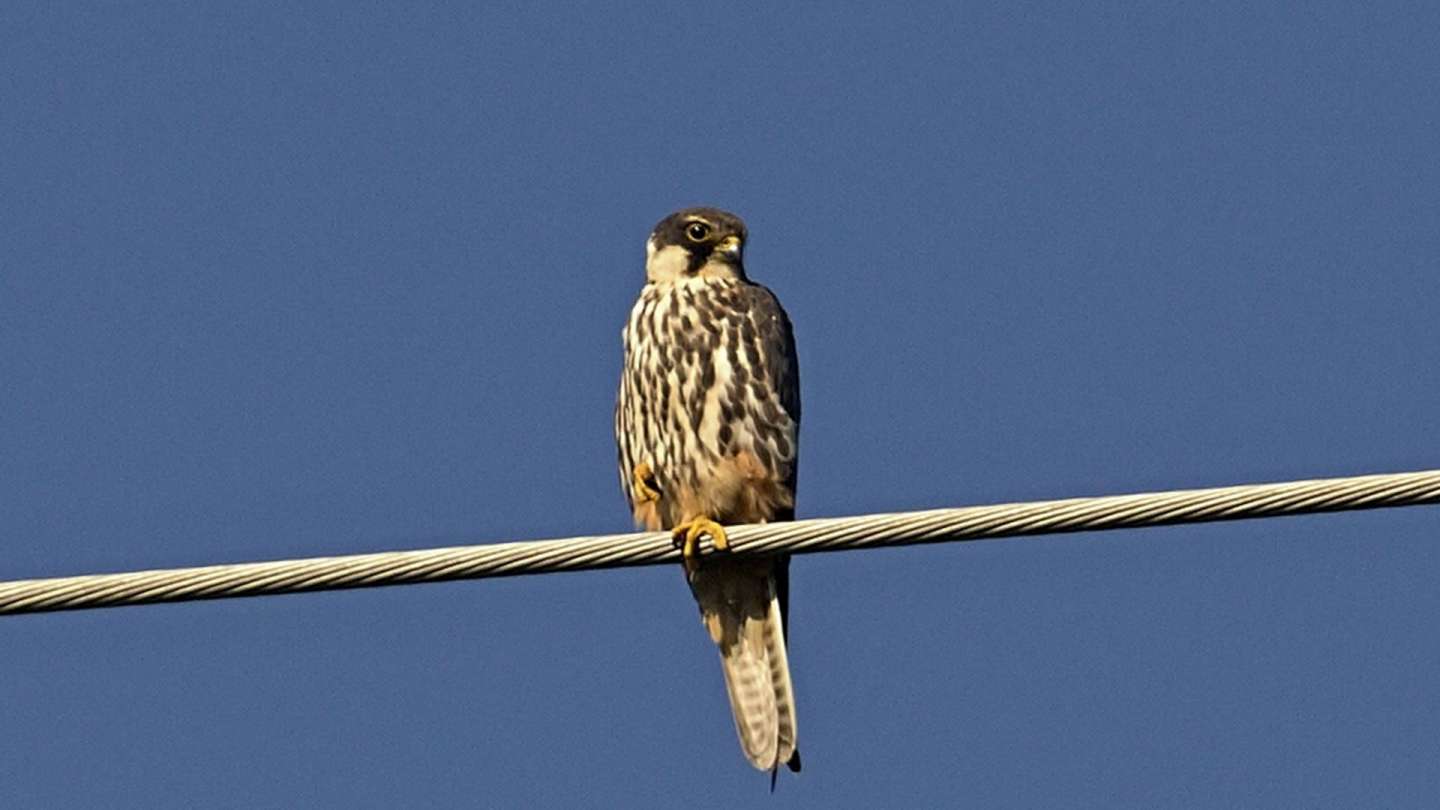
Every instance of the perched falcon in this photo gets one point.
(707, 425)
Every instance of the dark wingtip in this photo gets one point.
(793, 763)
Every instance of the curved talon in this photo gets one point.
(643, 485)
(687, 536)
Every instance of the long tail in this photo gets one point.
(741, 604)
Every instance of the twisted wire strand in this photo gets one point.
(654, 548)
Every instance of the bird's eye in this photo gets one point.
(697, 231)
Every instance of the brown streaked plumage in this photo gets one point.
(707, 425)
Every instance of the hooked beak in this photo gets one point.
(730, 248)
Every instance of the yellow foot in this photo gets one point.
(687, 537)
(643, 485)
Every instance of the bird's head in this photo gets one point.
(703, 242)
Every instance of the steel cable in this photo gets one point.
(654, 548)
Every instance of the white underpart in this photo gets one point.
(710, 420)
(653, 309)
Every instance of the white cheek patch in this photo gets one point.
(667, 263)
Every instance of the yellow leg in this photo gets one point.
(643, 486)
(687, 536)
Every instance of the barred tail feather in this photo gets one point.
(786, 734)
(741, 609)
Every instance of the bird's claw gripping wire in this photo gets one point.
(687, 538)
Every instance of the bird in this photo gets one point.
(707, 423)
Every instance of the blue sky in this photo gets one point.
(280, 282)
